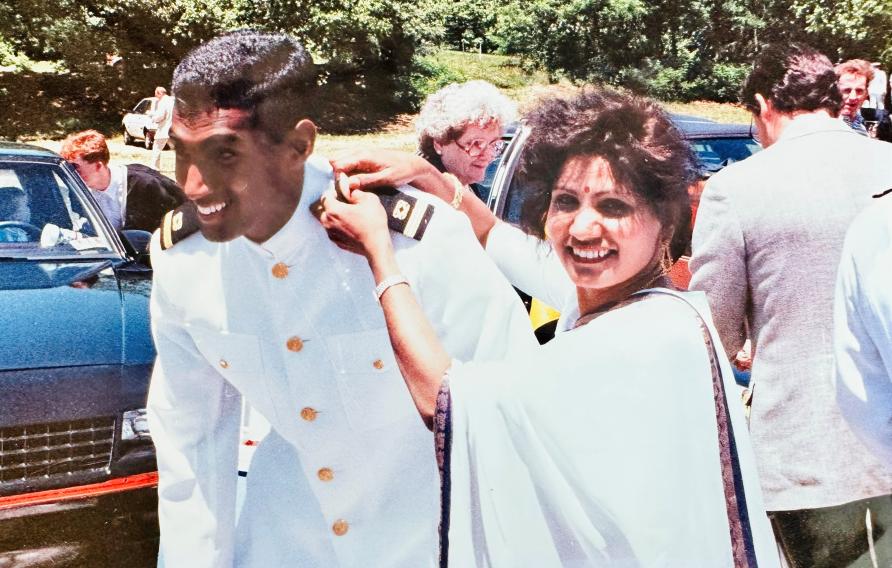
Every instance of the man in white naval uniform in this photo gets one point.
(261, 305)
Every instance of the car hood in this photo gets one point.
(58, 314)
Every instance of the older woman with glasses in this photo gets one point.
(460, 129)
(619, 443)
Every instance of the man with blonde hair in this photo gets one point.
(853, 77)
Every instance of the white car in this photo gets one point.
(138, 123)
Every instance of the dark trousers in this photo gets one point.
(836, 537)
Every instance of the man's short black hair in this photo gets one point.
(269, 74)
(793, 77)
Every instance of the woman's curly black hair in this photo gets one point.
(646, 152)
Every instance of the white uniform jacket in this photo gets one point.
(347, 475)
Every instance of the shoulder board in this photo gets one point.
(883, 193)
(406, 215)
(178, 224)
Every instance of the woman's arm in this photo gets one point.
(368, 169)
(360, 226)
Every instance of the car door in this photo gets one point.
(139, 118)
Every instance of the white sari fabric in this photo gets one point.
(599, 449)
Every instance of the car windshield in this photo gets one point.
(716, 153)
(144, 106)
(43, 215)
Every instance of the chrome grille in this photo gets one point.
(42, 451)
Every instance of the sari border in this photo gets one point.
(443, 445)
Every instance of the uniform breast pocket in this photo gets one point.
(236, 356)
(369, 380)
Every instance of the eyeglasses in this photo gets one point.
(477, 147)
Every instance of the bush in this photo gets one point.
(726, 80)
(427, 75)
(9, 59)
(688, 81)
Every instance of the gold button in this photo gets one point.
(325, 474)
(224, 363)
(295, 344)
(280, 270)
(308, 414)
(340, 527)
(378, 364)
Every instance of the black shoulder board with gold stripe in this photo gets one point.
(405, 214)
(178, 224)
(883, 193)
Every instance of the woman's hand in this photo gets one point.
(366, 169)
(370, 168)
(357, 224)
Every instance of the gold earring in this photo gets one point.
(665, 258)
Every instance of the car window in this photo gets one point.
(514, 195)
(514, 202)
(484, 188)
(43, 215)
(143, 107)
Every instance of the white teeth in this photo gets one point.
(210, 209)
(591, 254)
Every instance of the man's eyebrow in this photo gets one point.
(213, 140)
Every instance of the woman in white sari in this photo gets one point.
(619, 443)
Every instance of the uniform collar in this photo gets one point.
(302, 225)
(811, 123)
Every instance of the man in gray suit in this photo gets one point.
(765, 251)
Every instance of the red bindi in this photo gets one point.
(586, 189)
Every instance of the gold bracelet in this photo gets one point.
(459, 190)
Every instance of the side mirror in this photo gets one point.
(137, 244)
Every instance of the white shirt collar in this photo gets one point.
(810, 123)
(118, 178)
(298, 230)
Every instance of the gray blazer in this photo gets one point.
(766, 248)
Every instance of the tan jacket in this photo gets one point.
(766, 248)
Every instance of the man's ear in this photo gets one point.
(302, 138)
(438, 148)
(764, 105)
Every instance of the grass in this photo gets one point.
(502, 71)
(731, 113)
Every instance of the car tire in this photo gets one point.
(127, 138)
(148, 138)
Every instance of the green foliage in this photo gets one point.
(683, 49)
(503, 72)
(350, 33)
(427, 76)
(674, 49)
(10, 59)
(468, 25)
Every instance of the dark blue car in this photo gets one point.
(77, 467)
